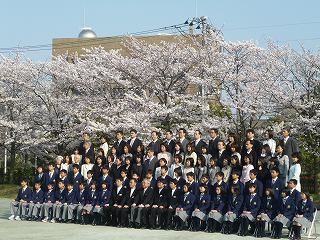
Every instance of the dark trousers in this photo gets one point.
(124, 216)
(154, 214)
(145, 212)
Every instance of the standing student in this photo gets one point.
(222, 153)
(137, 166)
(34, 206)
(235, 202)
(201, 208)
(49, 199)
(91, 202)
(104, 144)
(253, 180)
(235, 181)
(120, 143)
(184, 209)
(178, 150)
(286, 212)
(295, 170)
(180, 180)
(23, 197)
(194, 186)
(182, 134)
(150, 162)
(270, 141)
(102, 201)
(213, 169)
(275, 183)
(51, 176)
(294, 193)
(169, 141)
(283, 161)
(268, 211)
(289, 144)
(198, 142)
(188, 167)
(39, 177)
(174, 198)
(217, 210)
(117, 198)
(201, 168)
(232, 143)
(134, 142)
(191, 154)
(304, 215)
(250, 211)
(155, 142)
(97, 168)
(255, 147)
(86, 167)
(220, 183)
(226, 169)
(164, 153)
(77, 178)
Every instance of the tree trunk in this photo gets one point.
(13, 153)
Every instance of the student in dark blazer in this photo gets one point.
(160, 203)
(185, 208)
(91, 202)
(222, 153)
(201, 209)
(235, 181)
(49, 199)
(77, 178)
(103, 201)
(217, 210)
(194, 186)
(169, 141)
(174, 198)
(35, 202)
(275, 183)
(40, 177)
(134, 142)
(268, 211)
(155, 143)
(51, 176)
(120, 143)
(146, 197)
(180, 180)
(304, 215)
(286, 213)
(198, 143)
(253, 180)
(250, 211)
(220, 183)
(213, 143)
(294, 193)
(70, 198)
(116, 202)
(105, 177)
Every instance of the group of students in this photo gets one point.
(162, 189)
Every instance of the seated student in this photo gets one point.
(77, 178)
(174, 198)
(275, 183)
(152, 180)
(185, 208)
(294, 193)
(250, 211)
(253, 180)
(194, 186)
(220, 183)
(49, 199)
(213, 169)
(80, 202)
(160, 203)
(268, 210)
(285, 214)
(217, 210)
(180, 180)
(34, 206)
(39, 177)
(304, 215)
(135, 176)
(235, 181)
(235, 202)
(57, 205)
(130, 201)
(70, 199)
(103, 201)
(157, 172)
(201, 208)
(141, 212)
(92, 198)
(177, 164)
(89, 179)
(105, 177)
(117, 197)
(23, 197)
(164, 176)
(125, 179)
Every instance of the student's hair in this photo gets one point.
(127, 146)
(232, 134)
(183, 130)
(206, 176)
(235, 157)
(90, 172)
(174, 181)
(235, 146)
(76, 166)
(204, 186)
(157, 133)
(51, 184)
(202, 161)
(254, 171)
(276, 169)
(271, 193)
(223, 143)
(106, 183)
(70, 184)
(38, 183)
(105, 167)
(93, 183)
(252, 185)
(51, 164)
(191, 161)
(119, 131)
(165, 167)
(190, 174)
(142, 148)
(228, 159)
(179, 158)
(286, 191)
(237, 172)
(150, 150)
(273, 159)
(139, 156)
(162, 181)
(101, 150)
(84, 184)
(250, 130)
(149, 171)
(307, 195)
(169, 131)
(39, 166)
(221, 174)
(133, 130)
(120, 179)
(104, 136)
(215, 130)
(267, 148)
(249, 156)
(296, 155)
(270, 133)
(198, 130)
(163, 160)
(128, 158)
(294, 181)
(188, 186)
(250, 141)
(286, 129)
(214, 160)
(87, 156)
(60, 181)
(178, 171)
(236, 190)
(63, 171)
(222, 192)
(180, 146)
(191, 146)
(124, 171)
(133, 179)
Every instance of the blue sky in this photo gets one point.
(36, 22)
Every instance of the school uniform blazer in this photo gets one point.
(259, 188)
(40, 179)
(125, 183)
(161, 197)
(187, 204)
(167, 178)
(181, 182)
(49, 197)
(134, 199)
(76, 181)
(296, 195)
(235, 205)
(37, 197)
(107, 179)
(223, 184)
(92, 197)
(203, 203)
(104, 198)
(269, 207)
(171, 145)
(306, 210)
(117, 198)
(252, 206)
(65, 181)
(119, 146)
(155, 146)
(239, 184)
(135, 145)
(194, 188)
(184, 144)
(175, 198)
(26, 195)
(213, 147)
(82, 197)
(277, 187)
(71, 197)
(198, 147)
(60, 196)
(149, 164)
(147, 197)
(219, 203)
(288, 209)
(48, 180)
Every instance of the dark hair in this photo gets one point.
(165, 167)
(127, 146)
(202, 161)
(76, 166)
(163, 181)
(105, 183)
(252, 185)
(133, 130)
(178, 171)
(270, 133)
(294, 181)
(222, 192)
(104, 136)
(190, 174)
(250, 130)
(221, 174)
(142, 148)
(178, 157)
(180, 146)
(191, 161)
(174, 181)
(188, 186)
(163, 160)
(270, 190)
(169, 131)
(157, 133)
(237, 172)
(235, 157)
(200, 133)
(165, 145)
(234, 145)
(215, 130)
(70, 184)
(90, 172)
(296, 155)
(204, 186)
(268, 149)
(232, 134)
(183, 129)
(286, 191)
(119, 131)
(249, 156)
(254, 172)
(236, 190)
(276, 169)
(192, 148)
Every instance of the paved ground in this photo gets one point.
(23, 230)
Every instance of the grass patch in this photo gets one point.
(316, 199)
(9, 190)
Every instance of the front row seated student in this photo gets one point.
(91, 201)
(285, 214)
(23, 197)
(49, 200)
(304, 215)
(103, 201)
(217, 210)
(70, 199)
(174, 200)
(34, 206)
(235, 202)
(184, 210)
(57, 205)
(250, 211)
(201, 208)
(268, 211)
